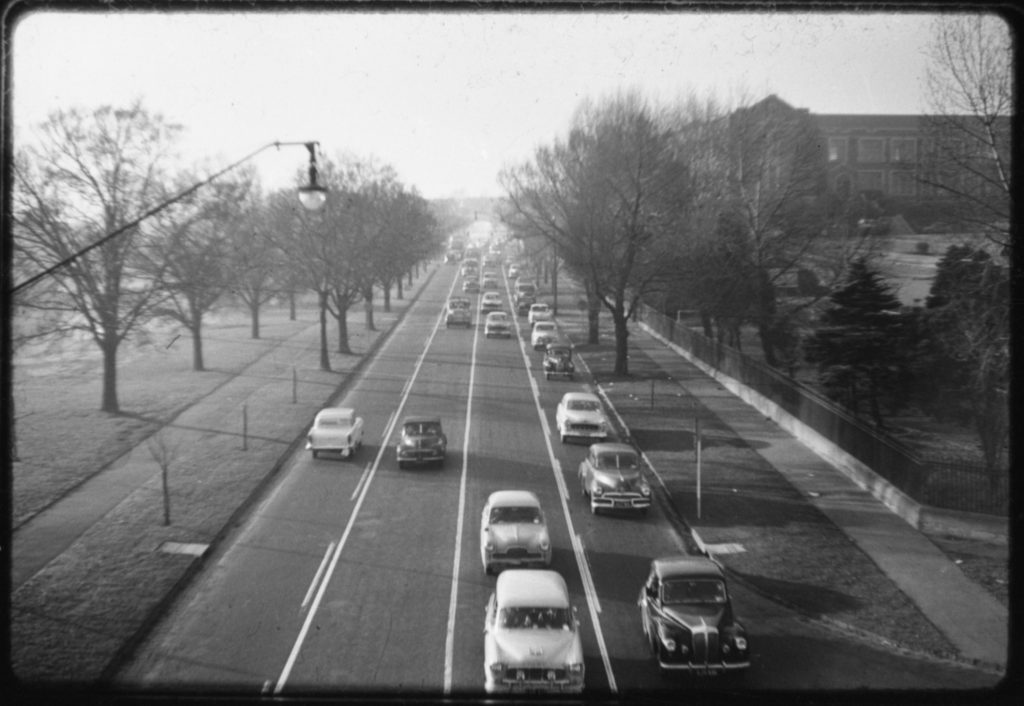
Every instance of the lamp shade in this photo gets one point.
(312, 197)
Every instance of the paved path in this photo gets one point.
(974, 621)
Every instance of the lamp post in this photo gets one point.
(312, 196)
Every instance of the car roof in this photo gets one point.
(686, 565)
(541, 588)
(421, 419)
(497, 315)
(545, 325)
(589, 396)
(559, 347)
(513, 498)
(611, 447)
(539, 305)
(335, 412)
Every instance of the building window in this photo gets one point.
(870, 181)
(903, 184)
(871, 149)
(837, 149)
(903, 149)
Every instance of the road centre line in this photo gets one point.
(589, 589)
(316, 578)
(449, 642)
(296, 648)
(366, 472)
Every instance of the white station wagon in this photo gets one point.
(531, 635)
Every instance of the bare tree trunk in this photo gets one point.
(254, 318)
(368, 307)
(197, 344)
(109, 403)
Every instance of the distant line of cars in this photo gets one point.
(532, 639)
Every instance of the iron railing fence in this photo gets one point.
(963, 487)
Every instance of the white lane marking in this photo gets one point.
(449, 641)
(366, 472)
(587, 577)
(589, 589)
(296, 648)
(319, 573)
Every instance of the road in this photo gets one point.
(355, 576)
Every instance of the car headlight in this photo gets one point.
(489, 547)
(645, 489)
(669, 643)
(497, 668)
(597, 489)
(741, 643)
(545, 544)
(576, 668)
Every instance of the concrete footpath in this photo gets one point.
(971, 618)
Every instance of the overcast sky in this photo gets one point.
(446, 98)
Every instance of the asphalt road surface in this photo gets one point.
(354, 576)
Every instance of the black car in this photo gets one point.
(422, 441)
(687, 617)
(558, 361)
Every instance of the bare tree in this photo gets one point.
(257, 266)
(164, 453)
(191, 250)
(970, 91)
(612, 200)
(88, 174)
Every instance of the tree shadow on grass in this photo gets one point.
(810, 599)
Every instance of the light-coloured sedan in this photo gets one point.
(539, 312)
(531, 635)
(544, 332)
(513, 531)
(490, 301)
(580, 415)
(498, 324)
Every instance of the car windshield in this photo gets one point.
(515, 515)
(536, 618)
(681, 591)
(423, 428)
(559, 352)
(497, 319)
(584, 405)
(544, 326)
(539, 308)
(616, 460)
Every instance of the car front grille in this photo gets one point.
(517, 553)
(578, 426)
(535, 674)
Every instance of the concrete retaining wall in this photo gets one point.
(967, 525)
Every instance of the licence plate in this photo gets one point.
(621, 503)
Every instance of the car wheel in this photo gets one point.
(488, 569)
(593, 508)
(316, 454)
(547, 376)
(563, 437)
(401, 465)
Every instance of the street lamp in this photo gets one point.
(312, 196)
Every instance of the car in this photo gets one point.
(687, 617)
(421, 440)
(531, 635)
(580, 415)
(470, 266)
(538, 312)
(497, 324)
(513, 531)
(471, 285)
(513, 271)
(335, 430)
(490, 301)
(459, 312)
(489, 282)
(523, 303)
(611, 478)
(558, 361)
(544, 332)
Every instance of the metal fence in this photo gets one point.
(963, 487)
